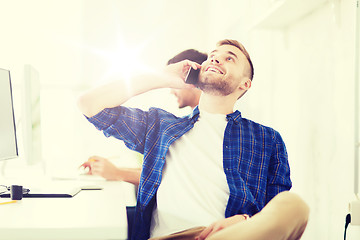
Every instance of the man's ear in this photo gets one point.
(245, 84)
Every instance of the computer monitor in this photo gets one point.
(31, 119)
(8, 141)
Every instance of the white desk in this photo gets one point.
(91, 214)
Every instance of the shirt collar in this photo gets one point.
(195, 114)
(235, 116)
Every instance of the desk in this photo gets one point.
(91, 214)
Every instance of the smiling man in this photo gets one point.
(212, 168)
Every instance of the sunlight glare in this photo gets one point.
(123, 62)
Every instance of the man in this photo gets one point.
(188, 96)
(101, 166)
(212, 168)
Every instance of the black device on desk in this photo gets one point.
(48, 192)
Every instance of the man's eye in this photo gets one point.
(229, 59)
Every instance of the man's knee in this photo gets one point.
(292, 211)
(293, 203)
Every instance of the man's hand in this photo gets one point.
(102, 167)
(177, 73)
(219, 225)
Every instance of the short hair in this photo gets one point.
(242, 49)
(190, 54)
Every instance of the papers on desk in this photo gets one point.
(76, 176)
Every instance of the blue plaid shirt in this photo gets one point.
(254, 157)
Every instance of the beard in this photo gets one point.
(215, 86)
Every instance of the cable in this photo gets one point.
(5, 187)
(347, 221)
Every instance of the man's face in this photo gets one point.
(223, 71)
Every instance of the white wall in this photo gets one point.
(303, 84)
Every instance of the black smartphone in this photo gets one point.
(192, 76)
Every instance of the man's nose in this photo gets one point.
(214, 59)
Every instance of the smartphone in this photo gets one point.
(192, 76)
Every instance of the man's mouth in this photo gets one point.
(213, 69)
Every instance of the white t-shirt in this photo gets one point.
(194, 190)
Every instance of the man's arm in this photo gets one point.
(279, 170)
(118, 92)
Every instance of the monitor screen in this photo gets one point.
(8, 143)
